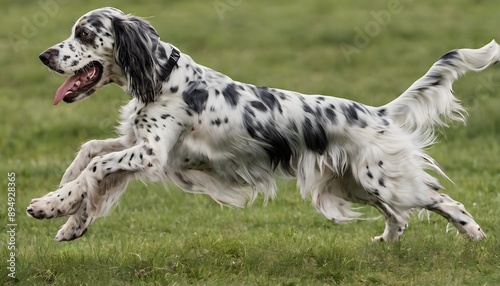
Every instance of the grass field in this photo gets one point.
(368, 52)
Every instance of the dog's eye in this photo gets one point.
(85, 35)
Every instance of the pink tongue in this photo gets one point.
(64, 88)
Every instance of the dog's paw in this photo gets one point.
(471, 230)
(74, 228)
(379, 239)
(45, 207)
(55, 204)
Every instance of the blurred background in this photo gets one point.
(368, 51)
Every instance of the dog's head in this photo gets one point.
(106, 46)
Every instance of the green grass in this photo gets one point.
(169, 237)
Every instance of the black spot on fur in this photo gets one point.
(165, 116)
(96, 23)
(449, 56)
(359, 107)
(319, 112)
(381, 182)
(436, 78)
(195, 98)
(231, 95)
(249, 111)
(370, 175)
(268, 98)
(380, 164)
(382, 112)
(216, 122)
(307, 108)
(314, 136)
(278, 147)
(174, 89)
(94, 169)
(331, 115)
(462, 222)
(258, 105)
(121, 159)
(350, 113)
(65, 58)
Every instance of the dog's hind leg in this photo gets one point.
(333, 199)
(455, 213)
(396, 218)
(395, 222)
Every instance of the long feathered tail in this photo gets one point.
(429, 102)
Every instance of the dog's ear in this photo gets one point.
(136, 42)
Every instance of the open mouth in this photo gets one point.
(82, 82)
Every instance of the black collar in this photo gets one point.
(172, 61)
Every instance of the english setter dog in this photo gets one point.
(206, 133)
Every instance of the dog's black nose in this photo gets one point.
(47, 55)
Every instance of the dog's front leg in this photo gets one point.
(97, 188)
(87, 152)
